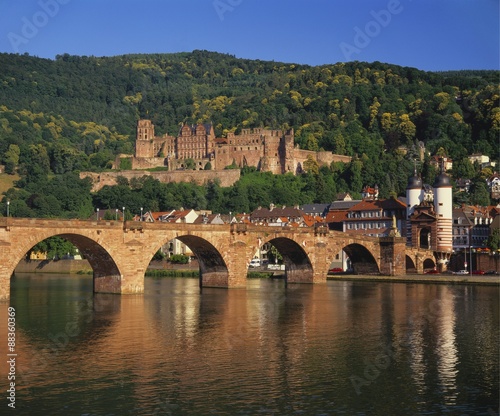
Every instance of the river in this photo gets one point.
(340, 348)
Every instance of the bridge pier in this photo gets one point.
(392, 256)
(4, 285)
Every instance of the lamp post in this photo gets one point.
(123, 214)
(97, 214)
(141, 214)
(8, 204)
(116, 214)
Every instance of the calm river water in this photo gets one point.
(342, 348)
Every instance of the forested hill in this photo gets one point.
(92, 104)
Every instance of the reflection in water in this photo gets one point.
(339, 348)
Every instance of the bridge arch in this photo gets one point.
(213, 258)
(106, 273)
(411, 267)
(213, 268)
(429, 263)
(362, 259)
(298, 266)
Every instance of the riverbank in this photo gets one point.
(423, 278)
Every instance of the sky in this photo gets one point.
(432, 35)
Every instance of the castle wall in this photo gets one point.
(148, 162)
(226, 177)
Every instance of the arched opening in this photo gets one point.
(410, 265)
(267, 261)
(361, 259)
(195, 253)
(297, 266)
(106, 275)
(429, 264)
(424, 240)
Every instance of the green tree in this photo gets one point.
(493, 242)
(189, 164)
(11, 158)
(311, 165)
(479, 193)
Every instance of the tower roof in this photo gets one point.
(414, 182)
(442, 181)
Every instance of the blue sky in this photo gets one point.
(426, 34)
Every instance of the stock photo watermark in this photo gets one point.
(224, 6)
(364, 35)
(31, 26)
(11, 357)
(43, 357)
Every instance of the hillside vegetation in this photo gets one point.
(76, 113)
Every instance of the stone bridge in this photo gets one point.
(120, 252)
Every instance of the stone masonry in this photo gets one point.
(119, 252)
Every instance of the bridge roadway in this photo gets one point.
(120, 251)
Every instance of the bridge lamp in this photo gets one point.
(8, 204)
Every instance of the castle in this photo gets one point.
(267, 150)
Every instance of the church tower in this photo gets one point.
(443, 206)
(144, 139)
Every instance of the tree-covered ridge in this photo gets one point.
(333, 107)
(77, 113)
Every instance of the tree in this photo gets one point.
(11, 158)
(274, 255)
(463, 168)
(479, 193)
(493, 242)
(311, 165)
(189, 164)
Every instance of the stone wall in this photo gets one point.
(226, 177)
(50, 266)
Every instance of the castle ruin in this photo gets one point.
(267, 150)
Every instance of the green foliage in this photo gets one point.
(55, 248)
(11, 158)
(159, 255)
(78, 113)
(125, 163)
(493, 242)
(479, 193)
(179, 259)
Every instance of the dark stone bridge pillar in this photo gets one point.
(393, 256)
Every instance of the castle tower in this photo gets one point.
(443, 206)
(144, 139)
(414, 197)
(287, 158)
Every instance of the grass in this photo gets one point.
(7, 181)
(171, 273)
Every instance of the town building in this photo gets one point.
(186, 216)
